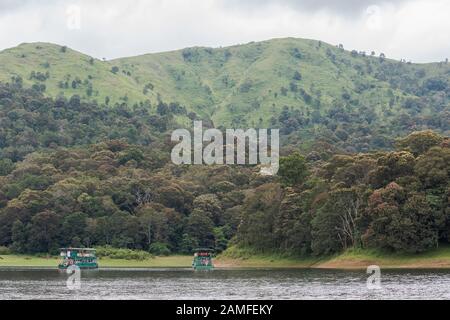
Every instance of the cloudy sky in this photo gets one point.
(416, 30)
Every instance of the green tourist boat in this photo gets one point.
(202, 259)
(84, 258)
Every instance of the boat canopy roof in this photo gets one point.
(78, 249)
(203, 250)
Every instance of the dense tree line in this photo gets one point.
(113, 193)
(129, 196)
(30, 121)
(397, 201)
(74, 173)
(352, 127)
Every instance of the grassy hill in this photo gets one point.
(62, 66)
(256, 80)
(252, 85)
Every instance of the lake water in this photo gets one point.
(223, 284)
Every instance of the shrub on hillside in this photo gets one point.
(119, 253)
(159, 249)
(4, 250)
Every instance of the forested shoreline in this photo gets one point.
(76, 174)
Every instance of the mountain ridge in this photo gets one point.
(195, 47)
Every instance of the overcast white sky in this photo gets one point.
(417, 30)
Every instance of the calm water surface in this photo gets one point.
(223, 284)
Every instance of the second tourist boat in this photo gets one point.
(84, 258)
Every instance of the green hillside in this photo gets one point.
(251, 79)
(306, 87)
(63, 66)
